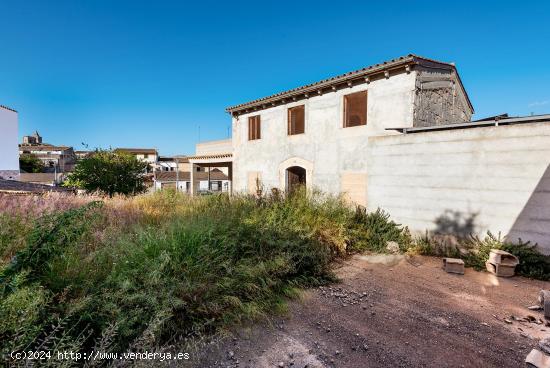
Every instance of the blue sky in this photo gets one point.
(149, 73)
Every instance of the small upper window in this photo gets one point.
(296, 120)
(355, 109)
(254, 128)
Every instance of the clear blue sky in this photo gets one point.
(148, 73)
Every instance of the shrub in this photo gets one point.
(532, 262)
(373, 230)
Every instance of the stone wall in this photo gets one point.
(465, 180)
(439, 99)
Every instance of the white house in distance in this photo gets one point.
(9, 153)
(149, 155)
(317, 134)
(193, 178)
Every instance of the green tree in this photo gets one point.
(109, 172)
(30, 163)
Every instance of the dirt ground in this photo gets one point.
(394, 311)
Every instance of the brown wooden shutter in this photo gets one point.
(296, 120)
(355, 109)
(254, 130)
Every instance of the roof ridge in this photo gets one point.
(392, 62)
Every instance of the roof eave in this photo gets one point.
(313, 88)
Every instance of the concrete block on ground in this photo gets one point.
(453, 265)
(537, 359)
(501, 263)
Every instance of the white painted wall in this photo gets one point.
(210, 147)
(499, 175)
(330, 148)
(9, 149)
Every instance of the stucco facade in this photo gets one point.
(335, 157)
(492, 178)
(9, 153)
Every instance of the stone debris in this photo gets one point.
(544, 345)
(544, 302)
(343, 296)
(453, 265)
(501, 263)
(392, 247)
(537, 359)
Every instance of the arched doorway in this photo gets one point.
(295, 177)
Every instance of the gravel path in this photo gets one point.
(392, 311)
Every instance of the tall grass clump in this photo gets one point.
(98, 275)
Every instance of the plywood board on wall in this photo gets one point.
(253, 178)
(354, 187)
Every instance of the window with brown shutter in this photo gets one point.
(355, 109)
(254, 128)
(296, 120)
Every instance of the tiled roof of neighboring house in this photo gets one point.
(18, 187)
(137, 150)
(42, 147)
(211, 156)
(186, 175)
(37, 177)
(7, 108)
(181, 159)
(357, 76)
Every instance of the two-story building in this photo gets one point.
(317, 134)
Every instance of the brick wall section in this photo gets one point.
(491, 178)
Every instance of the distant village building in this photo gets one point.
(206, 181)
(54, 158)
(32, 139)
(80, 154)
(149, 155)
(45, 178)
(9, 157)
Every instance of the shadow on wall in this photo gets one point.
(533, 222)
(451, 228)
(455, 223)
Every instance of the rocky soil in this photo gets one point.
(393, 311)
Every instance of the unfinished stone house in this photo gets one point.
(317, 134)
(398, 136)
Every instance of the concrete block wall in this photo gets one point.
(467, 180)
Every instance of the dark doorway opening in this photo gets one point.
(295, 177)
